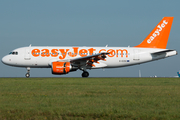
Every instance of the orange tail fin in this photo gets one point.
(158, 37)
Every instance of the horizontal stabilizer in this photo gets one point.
(161, 52)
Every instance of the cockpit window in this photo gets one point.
(13, 53)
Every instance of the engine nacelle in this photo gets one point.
(61, 67)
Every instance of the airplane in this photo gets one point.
(178, 74)
(63, 60)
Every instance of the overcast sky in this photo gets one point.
(118, 23)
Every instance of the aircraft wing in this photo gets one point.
(88, 61)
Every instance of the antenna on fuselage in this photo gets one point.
(107, 45)
(30, 45)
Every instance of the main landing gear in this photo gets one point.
(28, 72)
(85, 74)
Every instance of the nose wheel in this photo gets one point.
(85, 74)
(28, 72)
(27, 75)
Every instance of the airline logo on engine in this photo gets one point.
(157, 32)
(75, 51)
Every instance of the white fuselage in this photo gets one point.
(42, 57)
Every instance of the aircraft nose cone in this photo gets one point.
(4, 60)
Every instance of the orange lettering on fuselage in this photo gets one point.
(54, 52)
(122, 52)
(74, 54)
(76, 51)
(35, 52)
(83, 52)
(112, 52)
(45, 53)
(64, 53)
(91, 50)
(102, 50)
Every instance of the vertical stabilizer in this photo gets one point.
(158, 37)
(178, 74)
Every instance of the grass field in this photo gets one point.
(89, 98)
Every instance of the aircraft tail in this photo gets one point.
(158, 37)
(178, 74)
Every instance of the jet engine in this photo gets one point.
(62, 68)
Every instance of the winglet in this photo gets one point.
(158, 37)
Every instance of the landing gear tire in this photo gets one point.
(28, 72)
(27, 75)
(85, 74)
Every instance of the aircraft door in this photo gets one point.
(27, 54)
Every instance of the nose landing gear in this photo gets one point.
(28, 72)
